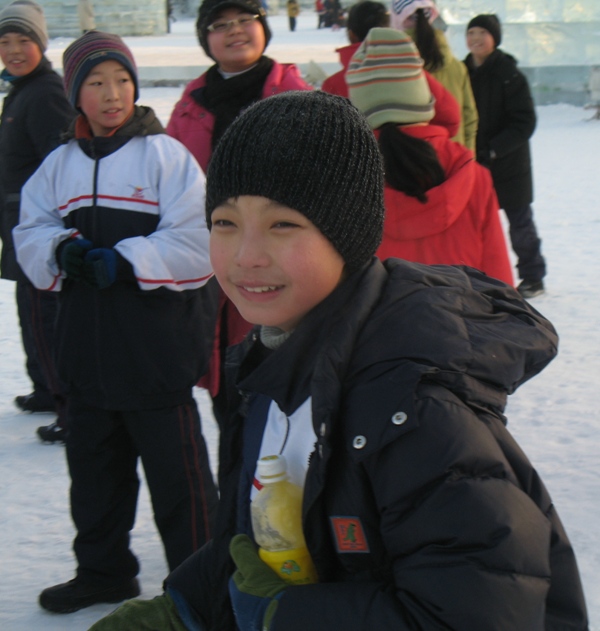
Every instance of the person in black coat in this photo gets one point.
(383, 384)
(34, 114)
(506, 122)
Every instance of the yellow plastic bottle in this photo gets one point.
(276, 513)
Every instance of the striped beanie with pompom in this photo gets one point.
(91, 49)
(386, 81)
(312, 152)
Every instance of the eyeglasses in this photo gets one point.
(222, 26)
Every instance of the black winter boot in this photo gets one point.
(79, 593)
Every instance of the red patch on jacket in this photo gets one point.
(349, 534)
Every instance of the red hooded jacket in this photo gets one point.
(458, 225)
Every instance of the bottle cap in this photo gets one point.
(271, 469)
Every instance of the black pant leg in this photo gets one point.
(25, 298)
(104, 488)
(176, 464)
(526, 243)
(38, 311)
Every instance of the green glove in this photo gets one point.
(254, 588)
(158, 614)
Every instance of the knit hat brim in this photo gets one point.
(312, 152)
(91, 49)
(386, 81)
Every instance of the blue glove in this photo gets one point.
(100, 268)
(70, 255)
(254, 588)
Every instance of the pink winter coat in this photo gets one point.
(459, 224)
(193, 125)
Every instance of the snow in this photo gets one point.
(554, 416)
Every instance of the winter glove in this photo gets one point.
(158, 614)
(254, 588)
(70, 255)
(100, 268)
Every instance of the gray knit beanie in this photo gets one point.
(27, 17)
(312, 152)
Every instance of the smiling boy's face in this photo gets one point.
(19, 53)
(271, 261)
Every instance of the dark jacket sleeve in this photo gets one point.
(519, 114)
(48, 116)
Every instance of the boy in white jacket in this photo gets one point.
(114, 221)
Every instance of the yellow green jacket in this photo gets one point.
(453, 75)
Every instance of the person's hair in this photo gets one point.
(427, 43)
(410, 164)
(365, 15)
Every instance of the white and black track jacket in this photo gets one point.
(139, 342)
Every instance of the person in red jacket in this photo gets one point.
(441, 207)
(364, 16)
(234, 33)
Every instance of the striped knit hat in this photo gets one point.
(312, 152)
(402, 10)
(91, 49)
(26, 17)
(386, 80)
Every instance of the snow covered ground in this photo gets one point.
(555, 416)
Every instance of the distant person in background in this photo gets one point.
(240, 76)
(85, 13)
(35, 113)
(320, 9)
(506, 122)
(362, 17)
(440, 205)
(293, 11)
(415, 17)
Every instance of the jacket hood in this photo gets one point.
(460, 328)
(406, 217)
(449, 325)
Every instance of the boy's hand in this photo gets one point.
(70, 255)
(100, 268)
(254, 588)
